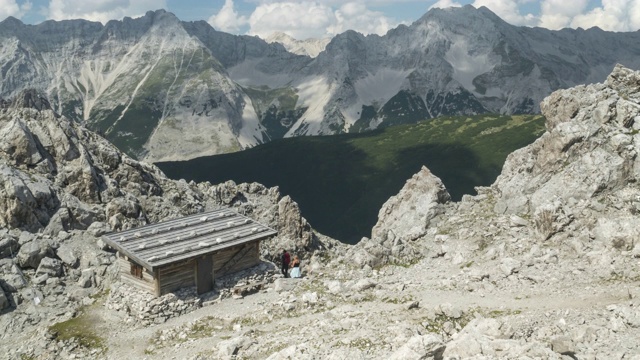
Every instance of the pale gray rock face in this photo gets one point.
(585, 151)
(403, 219)
(32, 253)
(12, 277)
(406, 216)
(420, 347)
(49, 266)
(293, 226)
(67, 254)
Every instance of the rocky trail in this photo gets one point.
(370, 319)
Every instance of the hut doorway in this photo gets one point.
(204, 274)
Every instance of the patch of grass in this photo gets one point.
(247, 321)
(404, 265)
(500, 313)
(362, 343)
(354, 174)
(482, 244)
(467, 265)
(101, 295)
(400, 300)
(437, 325)
(81, 329)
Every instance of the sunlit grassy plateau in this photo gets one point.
(341, 182)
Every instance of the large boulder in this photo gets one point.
(292, 226)
(26, 200)
(407, 215)
(420, 347)
(67, 254)
(492, 339)
(12, 279)
(49, 266)
(32, 253)
(401, 220)
(8, 246)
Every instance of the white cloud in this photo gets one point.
(12, 8)
(101, 10)
(300, 20)
(356, 16)
(305, 18)
(557, 14)
(612, 15)
(227, 19)
(445, 4)
(508, 10)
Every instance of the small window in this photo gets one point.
(136, 270)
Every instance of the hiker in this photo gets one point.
(295, 267)
(284, 260)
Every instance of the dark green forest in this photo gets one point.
(341, 181)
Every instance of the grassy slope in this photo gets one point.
(342, 181)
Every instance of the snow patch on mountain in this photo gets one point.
(376, 89)
(246, 73)
(315, 93)
(381, 85)
(467, 66)
(251, 132)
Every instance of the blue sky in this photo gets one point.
(324, 18)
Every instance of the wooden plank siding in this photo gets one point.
(183, 274)
(146, 283)
(221, 257)
(175, 276)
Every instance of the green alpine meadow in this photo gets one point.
(341, 181)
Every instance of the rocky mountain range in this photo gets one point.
(308, 47)
(162, 89)
(544, 263)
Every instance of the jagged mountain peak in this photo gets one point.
(11, 21)
(461, 17)
(280, 36)
(309, 47)
(129, 76)
(159, 18)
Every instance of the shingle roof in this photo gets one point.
(184, 238)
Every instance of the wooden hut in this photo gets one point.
(189, 251)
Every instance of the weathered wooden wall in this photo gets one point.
(251, 258)
(147, 283)
(183, 274)
(175, 276)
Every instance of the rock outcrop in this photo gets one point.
(576, 183)
(63, 186)
(562, 215)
